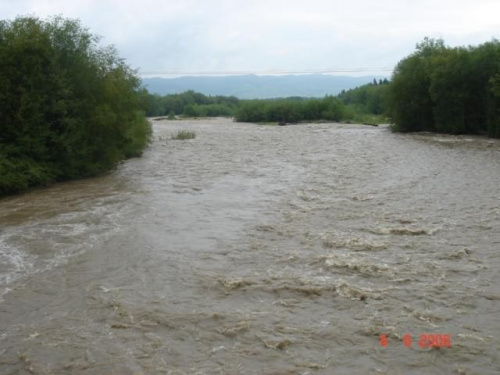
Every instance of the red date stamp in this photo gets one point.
(426, 340)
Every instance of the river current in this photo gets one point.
(257, 249)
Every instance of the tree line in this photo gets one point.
(68, 107)
(363, 104)
(447, 90)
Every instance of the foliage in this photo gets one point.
(251, 111)
(367, 99)
(286, 110)
(449, 90)
(291, 110)
(183, 135)
(494, 108)
(191, 104)
(69, 108)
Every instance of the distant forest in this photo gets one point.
(364, 104)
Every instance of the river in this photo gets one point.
(257, 249)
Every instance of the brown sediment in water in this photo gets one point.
(259, 250)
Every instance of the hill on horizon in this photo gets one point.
(258, 87)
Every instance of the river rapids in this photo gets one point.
(254, 249)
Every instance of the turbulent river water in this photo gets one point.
(259, 249)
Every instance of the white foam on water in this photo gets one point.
(34, 247)
(14, 264)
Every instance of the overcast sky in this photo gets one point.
(271, 35)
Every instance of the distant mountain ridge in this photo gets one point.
(258, 87)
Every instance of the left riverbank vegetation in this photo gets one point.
(69, 107)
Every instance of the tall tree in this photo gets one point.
(69, 107)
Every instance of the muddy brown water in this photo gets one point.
(260, 250)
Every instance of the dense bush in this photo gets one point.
(207, 110)
(449, 90)
(191, 104)
(68, 107)
(251, 111)
(290, 110)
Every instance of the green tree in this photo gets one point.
(494, 108)
(409, 99)
(69, 108)
(448, 90)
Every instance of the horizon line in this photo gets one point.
(264, 73)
